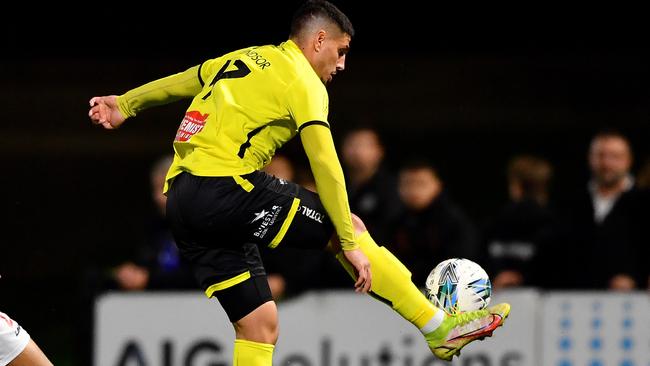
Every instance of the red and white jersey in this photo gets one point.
(13, 339)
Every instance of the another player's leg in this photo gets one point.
(16, 346)
(391, 284)
(31, 356)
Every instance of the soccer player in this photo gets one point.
(16, 347)
(246, 104)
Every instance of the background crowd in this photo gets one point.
(595, 240)
(516, 142)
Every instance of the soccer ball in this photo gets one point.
(458, 285)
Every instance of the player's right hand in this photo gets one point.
(362, 266)
(104, 111)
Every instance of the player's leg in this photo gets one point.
(256, 335)
(210, 219)
(391, 284)
(16, 346)
(254, 316)
(31, 356)
(391, 281)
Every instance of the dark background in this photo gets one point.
(466, 88)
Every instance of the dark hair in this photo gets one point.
(364, 128)
(533, 175)
(418, 163)
(609, 132)
(320, 8)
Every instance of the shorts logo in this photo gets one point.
(311, 213)
(259, 215)
(192, 123)
(18, 331)
(269, 218)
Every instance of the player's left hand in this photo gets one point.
(362, 266)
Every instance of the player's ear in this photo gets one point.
(319, 39)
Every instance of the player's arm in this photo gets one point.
(111, 111)
(330, 183)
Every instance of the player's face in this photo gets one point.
(610, 160)
(331, 58)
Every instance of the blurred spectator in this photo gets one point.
(372, 188)
(281, 167)
(157, 264)
(515, 236)
(305, 178)
(432, 228)
(605, 223)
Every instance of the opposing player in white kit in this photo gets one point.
(16, 347)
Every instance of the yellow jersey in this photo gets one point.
(246, 104)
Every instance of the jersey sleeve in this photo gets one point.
(209, 68)
(330, 183)
(169, 89)
(307, 102)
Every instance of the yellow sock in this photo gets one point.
(248, 353)
(391, 284)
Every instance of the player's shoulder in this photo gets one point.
(306, 81)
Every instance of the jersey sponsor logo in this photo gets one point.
(192, 123)
(269, 218)
(311, 213)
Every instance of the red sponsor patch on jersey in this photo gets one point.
(192, 123)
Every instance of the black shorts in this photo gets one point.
(218, 222)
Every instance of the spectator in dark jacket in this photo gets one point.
(515, 236)
(605, 225)
(432, 228)
(371, 186)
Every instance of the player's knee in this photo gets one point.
(267, 332)
(359, 226)
(260, 326)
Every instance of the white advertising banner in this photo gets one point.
(336, 328)
(596, 329)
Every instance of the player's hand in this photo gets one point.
(362, 266)
(104, 111)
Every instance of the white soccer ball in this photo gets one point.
(458, 285)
